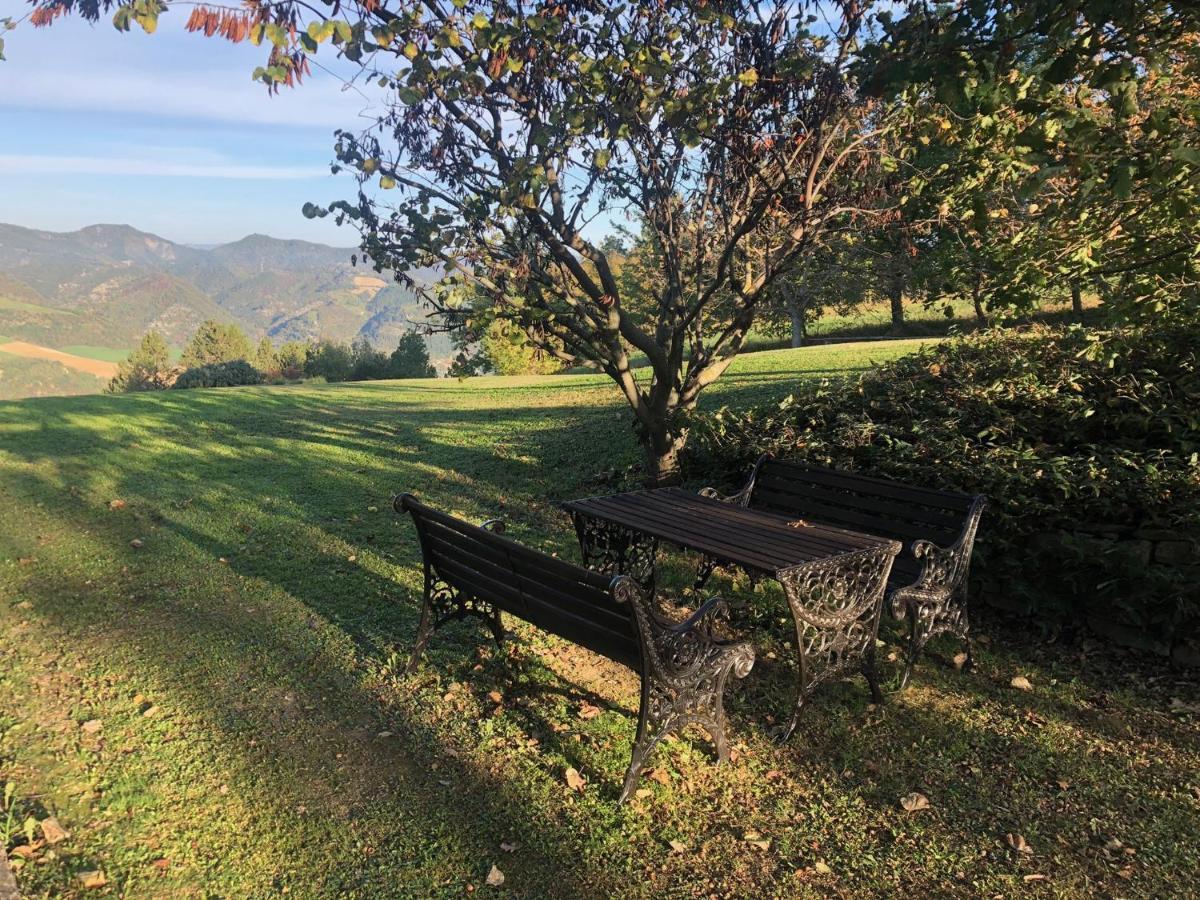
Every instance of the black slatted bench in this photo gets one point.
(928, 582)
(474, 571)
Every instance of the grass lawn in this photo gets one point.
(217, 710)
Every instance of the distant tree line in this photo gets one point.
(221, 355)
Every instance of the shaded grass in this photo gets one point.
(255, 735)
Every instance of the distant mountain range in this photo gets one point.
(104, 286)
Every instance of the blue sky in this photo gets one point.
(165, 132)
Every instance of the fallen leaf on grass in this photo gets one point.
(1034, 877)
(914, 801)
(91, 726)
(161, 864)
(659, 775)
(575, 781)
(25, 851)
(94, 879)
(754, 839)
(960, 660)
(116, 504)
(773, 775)
(53, 832)
(1063, 784)
(1021, 683)
(642, 793)
(588, 711)
(495, 877)
(495, 696)
(678, 846)
(821, 868)
(1018, 843)
(510, 846)
(137, 543)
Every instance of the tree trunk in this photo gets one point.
(796, 313)
(976, 291)
(1076, 302)
(662, 462)
(897, 299)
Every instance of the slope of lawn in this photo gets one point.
(205, 601)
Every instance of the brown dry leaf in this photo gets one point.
(678, 846)
(960, 660)
(659, 775)
(575, 781)
(797, 523)
(1034, 877)
(53, 832)
(136, 544)
(914, 801)
(116, 503)
(93, 879)
(642, 793)
(25, 851)
(1018, 843)
(1063, 784)
(773, 775)
(1021, 683)
(588, 711)
(495, 696)
(495, 878)
(91, 726)
(821, 868)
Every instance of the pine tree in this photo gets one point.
(410, 359)
(215, 342)
(145, 369)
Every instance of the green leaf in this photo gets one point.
(601, 157)
(480, 21)
(387, 182)
(749, 78)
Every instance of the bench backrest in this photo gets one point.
(556, 596)
(863, 503)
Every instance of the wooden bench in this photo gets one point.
(474, 571)
(928, 582)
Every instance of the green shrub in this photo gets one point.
(1075, 438)
(226, 374)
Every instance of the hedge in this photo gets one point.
(1085, 444)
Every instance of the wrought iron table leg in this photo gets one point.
(616, 550)
(836, 604)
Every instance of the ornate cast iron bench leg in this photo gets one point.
(684, 671)
(836, 604)
(615, 550)
(441, 603)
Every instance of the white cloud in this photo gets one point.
(28, 164)
(79, 67)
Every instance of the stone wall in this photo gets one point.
(1157, 552)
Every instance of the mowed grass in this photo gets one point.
(219, 710)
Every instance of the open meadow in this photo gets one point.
(206, 598)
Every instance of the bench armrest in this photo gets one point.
(943, 569)
(742, 496)
(674, 651)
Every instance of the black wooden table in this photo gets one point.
(834, 579)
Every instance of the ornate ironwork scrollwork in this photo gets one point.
(615, 550)
(937, 602)
(836, 604)
(684, 670)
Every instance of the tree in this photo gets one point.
(292, 356)
(215, 342)
(329, 360)
(736, 131)
(367, 363)
(145, 369)
(266, 359)
(410, 359)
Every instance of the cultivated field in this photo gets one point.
(205, 598)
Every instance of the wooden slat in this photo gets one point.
(871, 503)
(848, 517)
(752, 539)
(882, 486)
(554, 595)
